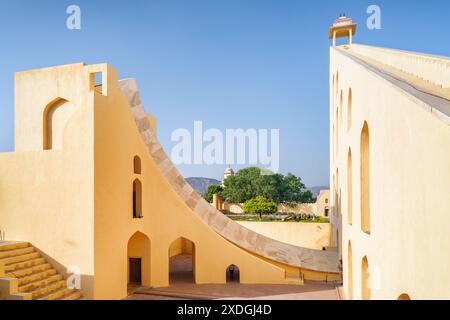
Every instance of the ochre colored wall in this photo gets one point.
(166, 216)
(307, 235)
(46, 197)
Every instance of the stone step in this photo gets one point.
(55, 294)
(48, 289)
(24, 264)
(34, 285)
(13, 245)
(20, 258)
(36, 276)
(15, 252)
(24, 272)
(71, 296)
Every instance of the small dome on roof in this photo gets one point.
(228, 171)
(342, 20)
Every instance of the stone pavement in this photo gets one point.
(183, 287)
(184, 291)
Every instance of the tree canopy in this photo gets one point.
(250, 183)
(213, 189)
(260, 205)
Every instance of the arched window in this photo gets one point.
(349, 272)
(137, 165)
(137, 199)
(232, 274)
(55, 117)
(365, 179)
(404, 296)
(349, 109)
(365, 279)
(349, 188)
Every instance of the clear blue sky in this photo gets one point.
(230, 63)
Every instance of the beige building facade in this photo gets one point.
(390, 172)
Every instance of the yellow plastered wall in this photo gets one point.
(166, 217)
(306, 235)
(408, 248)
(46, 197)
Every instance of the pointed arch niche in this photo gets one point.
(55, 117)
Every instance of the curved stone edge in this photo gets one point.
(315, 260)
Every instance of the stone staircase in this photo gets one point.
(36, 278)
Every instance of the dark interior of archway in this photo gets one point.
(233, 274)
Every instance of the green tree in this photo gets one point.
(249, 183)
(260, 205)
(294, 190)
(244, 185)
(212, 190)
(307, 197)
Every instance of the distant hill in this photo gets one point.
(316, 190)
(201, 184)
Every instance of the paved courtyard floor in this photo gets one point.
(182, 287)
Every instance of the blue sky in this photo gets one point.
(232, 64)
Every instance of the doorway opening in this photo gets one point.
(182, 261)
(138, 255)
(233, 274)
(135, 271)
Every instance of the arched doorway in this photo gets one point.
(404, 296)
(232, 274)
(349, 272)
(56, 115)
(182, 261)
(138, 253)
(365, 279)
